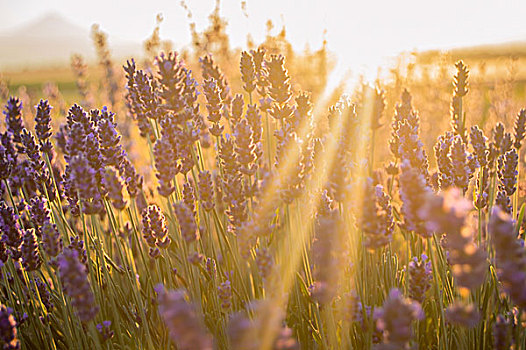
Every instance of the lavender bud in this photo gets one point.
(478, 142)
(206, 190)
(13, 118)
(154, 231)
(420, 276)
(109, 139)
(74, 277)
(32, 150)
(413, 192)
(114, 186)
(165, 165)
(510, 256)
(508, 172)
(395, 318)
(248, 74)
(211, 268)
(43, 127)
(44, 293)
(132, 179)
(10, 228)
(520, 129)
(376, 220)
(180, 317)
(51, 239)
(105, 331)
(8, 331)
(186, 221)
(224, 290)
(30, 255)
(40, 214)
(264, 262)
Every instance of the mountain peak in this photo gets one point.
(50, 25)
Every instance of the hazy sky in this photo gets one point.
(358, 31)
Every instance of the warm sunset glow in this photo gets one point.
(262, 175)
(363, 34)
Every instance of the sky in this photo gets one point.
(360, 33)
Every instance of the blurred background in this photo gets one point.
(362, 34)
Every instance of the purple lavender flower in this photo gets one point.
(254, 120)
(520, 129)
(420, 275)
(32, 150)
(189, 196)
(403, 111)
(13, 118)
(376, 220)
(449, 213)
(132, 179)
(165, 165)
(395, 318)
(326, 250)
(105, 331)
(211, 267)
(51, 239)
(413, 192)
(109, 139)
(236, 109)
(77, 115)
(31, 259)
(245, 147)
(501, 143)
(171, 81)
(224, 291)
(155, 232)
(186, 221)
(510, 256)
(94, 156)
(43, 127)
(411, 148)
(40, 213)
(74, 277)
(264, 262)
(478, 142)
(206, 190)
(185, 328)
(45, 295)
(141, 99)
(214, 105)
(75, 141)
(211, 70)
(460, 167)
(114, 188)
(7, 162)
(8, 331)
(12, 237)
(248, 72)
(77, 245)
(508, 172)
(280, 87)
(83, 179)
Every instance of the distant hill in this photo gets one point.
(52, 39)
(488, 51)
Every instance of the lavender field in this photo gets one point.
(221, 198)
